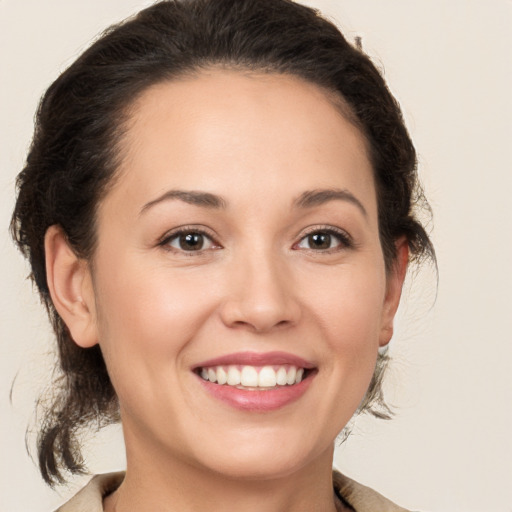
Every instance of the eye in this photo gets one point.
(189, 240)
(324, 240)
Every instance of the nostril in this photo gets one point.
(259, 326)
(260, 306)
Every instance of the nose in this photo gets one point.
(260, 295)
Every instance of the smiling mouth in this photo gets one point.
(256, 378)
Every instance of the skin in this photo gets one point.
(260, 141)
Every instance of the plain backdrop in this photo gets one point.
(449, 449)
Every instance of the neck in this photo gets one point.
(167, 484)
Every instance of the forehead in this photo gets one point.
(225, 131)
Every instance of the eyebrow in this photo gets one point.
(308, 199)
(312, 198)
(203, 199)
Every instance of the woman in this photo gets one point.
(218, 211)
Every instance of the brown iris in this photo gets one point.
(319, 240)
(191, 241)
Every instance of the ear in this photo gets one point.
(394, 284)
(71, 290)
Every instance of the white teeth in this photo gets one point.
(222, 376)
(267, 377)
(290, 378)
(249, 376)
(233, 376)
(254, 376)
(281, 376)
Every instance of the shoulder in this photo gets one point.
(90, 498)
(360, 497)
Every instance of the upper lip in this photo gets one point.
(257, 359)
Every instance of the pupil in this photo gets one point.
(191, 241)
(320, 240)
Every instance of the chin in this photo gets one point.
(257, 467)
(258, 456)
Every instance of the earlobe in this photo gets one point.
(395, 281)
(70, 285)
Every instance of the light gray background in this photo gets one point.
(448, 62)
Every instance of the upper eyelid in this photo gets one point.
(325, 228)
(165, 242)
(169, 235)
(345, 239)
(172, 233)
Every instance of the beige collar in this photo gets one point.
(359, 497)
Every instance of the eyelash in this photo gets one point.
(185, 230)
(344, 239)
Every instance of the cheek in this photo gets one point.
(349, 306)
(344, 314)
(149, 299)
(349, 316)
(146, 318)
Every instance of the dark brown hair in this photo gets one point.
(80, 122)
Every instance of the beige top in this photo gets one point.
(357, 496)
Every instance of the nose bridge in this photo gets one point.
(260, 292)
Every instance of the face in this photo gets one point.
(239, 292)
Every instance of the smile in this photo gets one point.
(253, 377)
(254, 382)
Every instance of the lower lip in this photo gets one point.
(257, 401)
